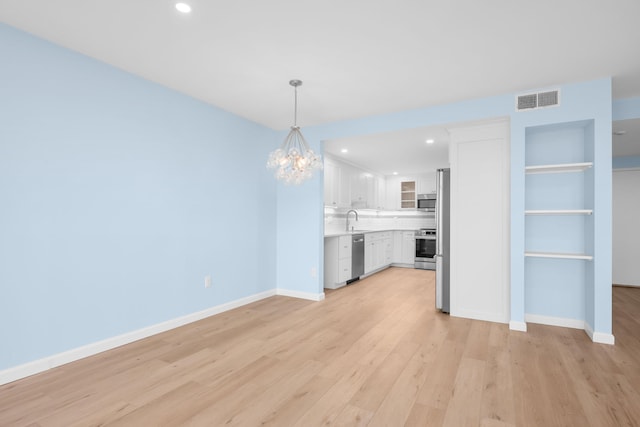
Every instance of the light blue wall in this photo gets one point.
(579, 101)
(625, 109)
(117, 197)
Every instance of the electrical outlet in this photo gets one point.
(314, 272)
(207, 281)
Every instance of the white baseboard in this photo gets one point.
(401, 265)
(41, 365)
(518, 326)
(301, 295)
(599, 337)
(554, 321)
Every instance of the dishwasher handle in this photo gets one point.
(358, 240)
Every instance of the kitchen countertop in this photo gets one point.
(349, 233)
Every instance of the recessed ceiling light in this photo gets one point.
(430, 141)
(183, 7)
(344, 150)
(395, 173)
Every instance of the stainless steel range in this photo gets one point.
(425, 249)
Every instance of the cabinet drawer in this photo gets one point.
(344, 269)
(344, 247)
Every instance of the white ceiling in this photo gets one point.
(407, 152)
(404, 152)
(356, 58)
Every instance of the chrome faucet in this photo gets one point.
(348, 212)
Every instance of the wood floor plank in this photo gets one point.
(375, 388)
(425, 416)
(352, 416)
(436, 392)
(464, 408)
(400, 399)
(497, 392)
(299, 401)
(373, 353)
(333, 402)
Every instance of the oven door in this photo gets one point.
(425, 252)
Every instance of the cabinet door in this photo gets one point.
(336, 185)
(408, 247)
(330, 184)
(397, 247)
(427, 183)
(344, 269)
(392, 196)
(344, 247)
(480, 174)
(380, 193)
(408, 194)
(369, 256)
(344, 187)
(358, 190)
(380, 254)
(388, 250)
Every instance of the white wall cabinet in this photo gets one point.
(426, 183)
(380, 193)
(392, 196)
(346, 186)
(362, 190)
(337, 185)
(402, 196)
(337, 261)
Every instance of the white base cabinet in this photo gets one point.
(408, 247)
(404, 248)
(378, 251)
(381, 249)
(337, 261)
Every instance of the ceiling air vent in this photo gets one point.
(526, 102)
(547, 99)
(537, 100)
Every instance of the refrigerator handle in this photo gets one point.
(439, 289)
(439, 211)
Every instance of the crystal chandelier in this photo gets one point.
(294, 161)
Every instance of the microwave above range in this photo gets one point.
(427, 202)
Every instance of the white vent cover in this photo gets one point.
(532, 101)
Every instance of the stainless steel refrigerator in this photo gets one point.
(442, 257)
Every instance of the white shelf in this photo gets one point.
(559, 212)
(559, 168)
(558, 255)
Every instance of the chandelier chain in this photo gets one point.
(295, 105)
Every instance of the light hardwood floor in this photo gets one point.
(375, 353)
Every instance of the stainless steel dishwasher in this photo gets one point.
(357, 256)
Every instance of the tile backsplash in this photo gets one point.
(369, 219)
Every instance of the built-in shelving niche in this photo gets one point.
(559, 215)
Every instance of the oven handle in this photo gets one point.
(425, 237)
